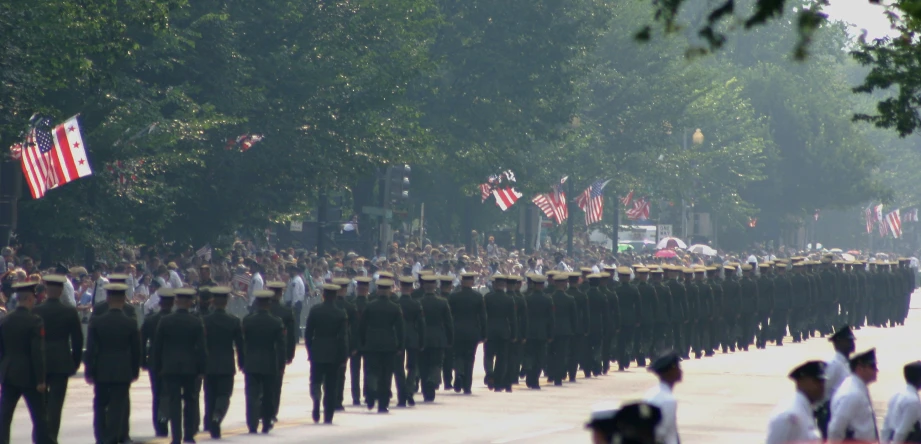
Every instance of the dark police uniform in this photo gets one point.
(263, 343)
(286, 314)
(540, 332)
(414, 338)
(580, 336)
(381, 336)
(439, 335)
(597, 325)
(63, 350)
(224, 336)
(516, 349)
(357, 358)
(180, 356)
(327, 342)
(501, 323)
(566, 325)
(160, 407)
(352, 312)
(469, 312)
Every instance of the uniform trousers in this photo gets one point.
(515, 354)
(276, 392)
(625, 345)
(9, 397)
(641, 336)
(218, 389)
(677, 337)
(399, 375)
(464, 356)
(576, 350)
(764, 328)
(447, 367)
(412, 373)
(495, 363)
(536, 357)
(593, 354)
(355, 375)
(779, 321)
(160, 407)
(183, 405)
(259, 399)
(54, 401)
(323, 383)
(605, 352)
(109, 410)
(559, 357)
(378, 377)
(430, 362)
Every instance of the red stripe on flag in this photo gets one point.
(60, 134)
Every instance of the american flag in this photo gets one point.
(626, 199)
(895, 223)
(485, 191)
(506, 197)
(640, 210)
(554, 203)
(591, 201)
(869, 216)
(240, 282)
(54, 157)
(204, 252)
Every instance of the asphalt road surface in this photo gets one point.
(724, 399)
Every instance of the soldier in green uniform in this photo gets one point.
(445, 286)
(895, 294)
(566, 325)
(540, 330)
(815, 299)
(705, 294)
(224, 336)
(801, 295)
(516, 348)
(580, 334)
(360, 301)
(22, 365)
(439, 335)
(630, 317)
(501, 332)
(352, 313)
(904, 272)
(780, 315)
(843, 286)
(612, 328)
(732, 308)
(263, 343)
(716, 323)
(764, 306)
(692, 330)
(679, 309)
(327, 340)
(101, 307)
(180, 354)
(160, 407)
(469, 314)
(663, 316)
(649, 303)
(381, 335)
(63, 347)
(863, 294)
(597, 323)
(828, 304)
(749, 304)
(584, 285)
(414, 323)
(286, 314)
(112, 363)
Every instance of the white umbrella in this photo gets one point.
(835, 250)
(847, 257)
(702, 249)
(671, 242)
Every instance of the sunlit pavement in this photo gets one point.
(724, 399)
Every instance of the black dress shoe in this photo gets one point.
(401, 404)
(468, 392)
(315, 415)
(411, 402)
(215, 430)
(266, 427)
(370, 405)
(383, 410)
(356, 403)
(457, 389)
(448, 386)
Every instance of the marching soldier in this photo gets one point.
(501, 329)
(516, 353)
(286, 314)
(679, 308)
(783, 302)
(749, 304)
(566, 325)
(705, 310)
(663, 316)
(439, 335)
(360, 301)
(112, 363)
(469, 312)
(160, 407)
(224, 335)
(327, 342)
(716, 322)
(732, 298)
(414, 332)
(597, 323)
(628, 298)
(263, 343)
(649, 302)
(764, 306)
(445, 285)
(612, 329)
(792, 421)
(863, 294)
(540, 330)
(63, 347)
(180, 355)
(101, 306)
(828, 303)
(580, 334)
(381, 331)
(22, 365)
(691, 330)
(352, 313)
(800, 296)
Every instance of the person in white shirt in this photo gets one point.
(67, 296)
(174, 280)
(153, 302)
(793, 420)
(256, 282)
(837, 369)
(294, 295)
(852, 415)
(668, 368)
(903, 416)
(99, 283)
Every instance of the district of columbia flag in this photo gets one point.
(53, 158)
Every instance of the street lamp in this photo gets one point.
(697, 138)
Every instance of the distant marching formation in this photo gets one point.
(420, 337)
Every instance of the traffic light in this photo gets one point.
(398, 176)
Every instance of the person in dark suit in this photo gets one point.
(160, 407)
(224, 335)
(501, 326)
(469, 314)
(180, 355)
(326, 338)
(263, 343)
(381, 331)
(540, 329)
(112, 363)
(63, 347)
(22, 365)
(439, 335)
(414, 338)
(286, 314)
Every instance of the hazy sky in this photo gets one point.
(862, 15)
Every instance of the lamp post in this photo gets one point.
(697, 138)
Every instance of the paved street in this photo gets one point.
(724, 399)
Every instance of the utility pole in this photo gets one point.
(569, 227)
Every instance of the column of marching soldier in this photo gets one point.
(418, 339)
